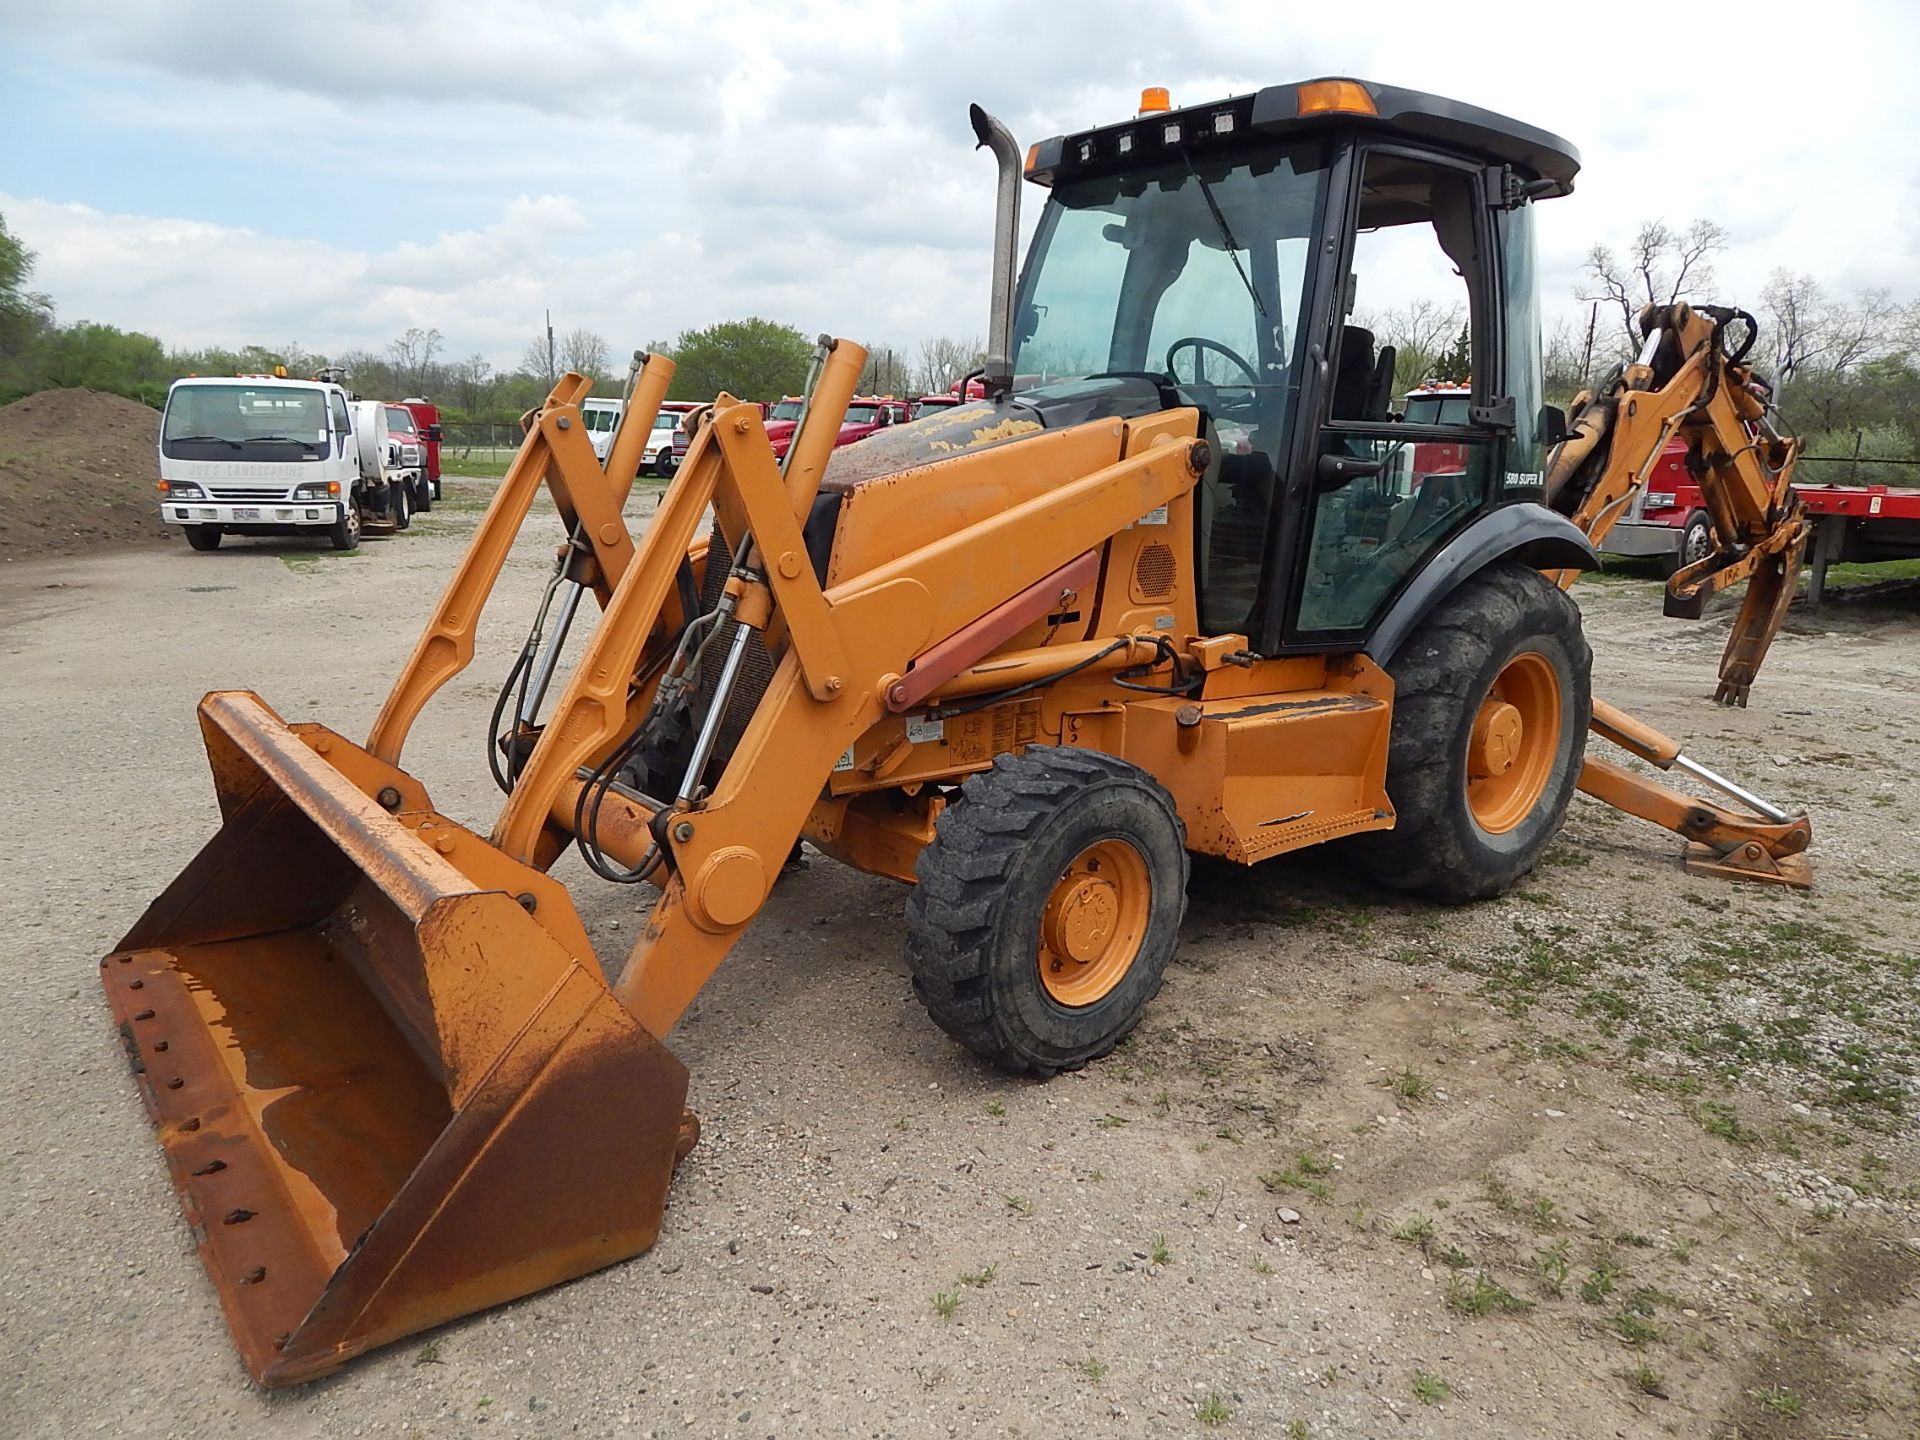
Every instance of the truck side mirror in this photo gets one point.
(433, 433)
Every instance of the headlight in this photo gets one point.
(320, 490)
(183, 490)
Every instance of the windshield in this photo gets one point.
(862, 414)
(234, 416)
(599, 420)
(784, 410)
(1437, 409)
(400, 421)
(1192, 272)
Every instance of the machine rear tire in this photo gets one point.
(1047, 908)
(1491, 704)
(423, 497)
(203, 537)
(400, 506)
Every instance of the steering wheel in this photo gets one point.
(1200, 344)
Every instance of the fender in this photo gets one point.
(1529, 533)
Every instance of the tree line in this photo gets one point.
(754, 359)
(1846, 366)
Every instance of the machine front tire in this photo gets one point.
(1047, 908)
(423, 496)
(344, 533)
(1491, 704)
(203, 537)
(400, 505)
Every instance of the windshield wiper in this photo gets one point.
(202, 440)
(274, 439)
(1226, 234)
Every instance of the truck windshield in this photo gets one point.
(1438, 409)
(784, 410)
(400, 420)
(1187, 270)
(259, 422)
(600, 421)
(862, 414)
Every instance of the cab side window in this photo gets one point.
(1397, 475)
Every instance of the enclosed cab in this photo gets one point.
(869, 414)
(426, 419)
(404, 431)
(928, 404)
(601, 416)
(658, 457)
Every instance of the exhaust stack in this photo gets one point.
(994, 136)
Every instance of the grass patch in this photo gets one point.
(1302, 1175)
(1416, 1230)
(1784, 1403)
(947, 1304)
(1092, 1367)
(1213, 1410)
(1551, 1267)
(1480, 1295)
(1411, 1086)
(1430, 1389)
(1019, 1204)
(1648, 1381)
(1158, 1253)
(1718, 1119)
(981, 1278)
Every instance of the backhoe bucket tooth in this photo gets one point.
(388, 1096)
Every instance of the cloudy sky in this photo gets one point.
(226, 171)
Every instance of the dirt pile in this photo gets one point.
(77, 470)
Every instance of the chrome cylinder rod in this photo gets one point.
(1727, 787)
(710, 726)
(550, 652)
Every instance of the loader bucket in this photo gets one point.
(388, 1096)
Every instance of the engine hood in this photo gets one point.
(982, 424)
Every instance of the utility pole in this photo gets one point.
(551, 377)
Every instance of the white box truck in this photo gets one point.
(269, 455)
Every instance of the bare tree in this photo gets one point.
(887, 372)
(584, 351)
(541, 357)
(1421, 332)
(944, 359)
(1662, 265)
(1566, 359)
(412, 356)
(472, 379)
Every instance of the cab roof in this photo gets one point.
(1284, 111)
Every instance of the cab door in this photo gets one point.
(1374, 495)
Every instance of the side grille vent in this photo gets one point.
(1154, 573)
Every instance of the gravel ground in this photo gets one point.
(1624, 1153)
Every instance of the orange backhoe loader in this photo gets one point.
(1179, 584)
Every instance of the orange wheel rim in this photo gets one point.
(1094, 922)
(1516, 736)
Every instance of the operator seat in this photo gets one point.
(1363, 385)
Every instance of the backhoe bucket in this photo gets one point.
(389, 1096)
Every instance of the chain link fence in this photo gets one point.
(495, 443)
